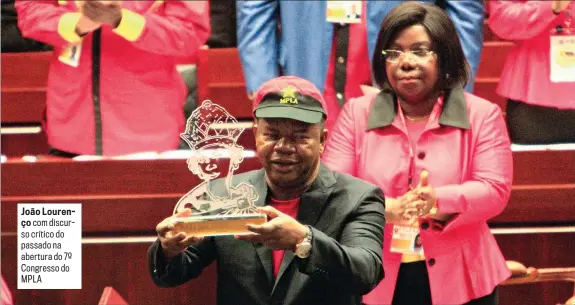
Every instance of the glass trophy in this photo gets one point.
(218, 207)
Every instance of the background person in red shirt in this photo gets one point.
(540, 109)
(113, 87)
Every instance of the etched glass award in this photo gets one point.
(218, 207)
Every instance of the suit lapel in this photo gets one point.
(264, 253)
(309, 210)
(312, 202)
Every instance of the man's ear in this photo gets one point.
(322, 140)
(255, 127)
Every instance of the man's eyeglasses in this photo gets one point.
(419, 56)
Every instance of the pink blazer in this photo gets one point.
(526, 75)
(466, 149)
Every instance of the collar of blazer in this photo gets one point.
(454, 113)
(311, 202)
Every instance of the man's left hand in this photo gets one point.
(103, 13)
(281, 232)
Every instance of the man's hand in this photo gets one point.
(110, 13)
(282, 232)
(172, 244)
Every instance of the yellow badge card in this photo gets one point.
(406, 239)
(563, 58)
(71, 55)
(344, 11)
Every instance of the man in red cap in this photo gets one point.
(322, 243)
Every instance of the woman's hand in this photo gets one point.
(412, 205)
(559, 5)
(424, 201)
(426, 194)
(397, 210)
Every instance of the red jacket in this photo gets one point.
(134, 101)
(526, 75)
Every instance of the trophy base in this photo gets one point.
(217, 225)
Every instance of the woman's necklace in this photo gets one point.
(416, 118)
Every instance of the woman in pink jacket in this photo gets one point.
(442, 157)
(540, 108)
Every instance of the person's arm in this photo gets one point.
(520, 20)
(468, 17)
(355, 262)
(189, 264)
(486, 194)
(48, 22)
(178, 28)
(175, 258)
(257, 41)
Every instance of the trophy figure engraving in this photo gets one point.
(211, 135)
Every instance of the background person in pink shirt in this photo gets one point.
(539, 111)
(423, 124)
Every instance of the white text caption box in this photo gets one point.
(50, 246)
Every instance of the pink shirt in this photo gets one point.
(414, 131)
(526, 75)
(466, 149)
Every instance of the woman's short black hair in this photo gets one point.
(453, 67)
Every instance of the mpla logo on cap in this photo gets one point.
(288, 96)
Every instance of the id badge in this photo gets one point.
(406, 239)
(71, 55)
(563, 56)
(344, 11)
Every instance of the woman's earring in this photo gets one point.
(447, 75)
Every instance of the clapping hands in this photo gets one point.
(96, 13)
(416, 203)
(109, 12)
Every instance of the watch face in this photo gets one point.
(303, 250)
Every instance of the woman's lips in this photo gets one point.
(409, 80)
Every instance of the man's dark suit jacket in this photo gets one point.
(347, 219)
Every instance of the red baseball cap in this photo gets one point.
(290, 97)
